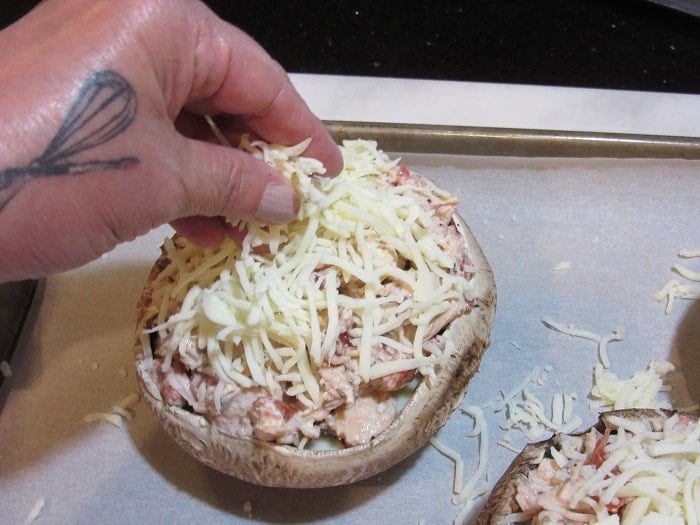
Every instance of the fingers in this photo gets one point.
(57, 223)
(207, 232)
(299, 121)
(243, 80)
(220, 181)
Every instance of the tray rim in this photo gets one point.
(515, 142)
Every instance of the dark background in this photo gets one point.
(616, 44)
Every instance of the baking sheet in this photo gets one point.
(619, 223)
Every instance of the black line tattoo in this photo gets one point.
(104, 108)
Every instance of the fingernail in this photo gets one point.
(279, 204)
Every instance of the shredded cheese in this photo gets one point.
(108, 417)
(686, 272)
(35, 512)
(248, 508)
(466, 494)
(641, 390)
(653, 473)
(675, 289)
(279, 302)
(118, 414)
(571, 330)
(525, 412)
(563, 265)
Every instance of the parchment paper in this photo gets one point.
(619, 224)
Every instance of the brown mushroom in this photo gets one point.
(271, 464)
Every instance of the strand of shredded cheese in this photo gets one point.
(571, 330)
(35, 511)
(686, 272)
(466, 494)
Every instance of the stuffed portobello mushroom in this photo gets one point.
(323, 351)
(636, 466)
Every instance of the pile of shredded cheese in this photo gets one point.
(269, 313)
(641, 390)
(525, 412)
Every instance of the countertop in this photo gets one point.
(625, 44)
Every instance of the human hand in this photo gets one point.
(103, 137)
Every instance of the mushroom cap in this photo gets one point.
(275, 465)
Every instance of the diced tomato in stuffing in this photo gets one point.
(598, 455)
(403, 174)
(393, 382)
(616, 504)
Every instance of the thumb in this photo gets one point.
(221, 181)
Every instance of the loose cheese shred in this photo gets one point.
(372, 254)
(528, 415)
(466, 494)
(674, 289)
(123, 412)
(525, 412)
(480, 431)
(572, 331)
(120, 412)
(505, 443)
(109, 417)
(35, 512)
(686, 273)
(456, 457)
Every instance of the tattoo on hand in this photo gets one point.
(104, 108)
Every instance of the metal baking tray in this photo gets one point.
(15, 298)
(510, 142)
(617, 208)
